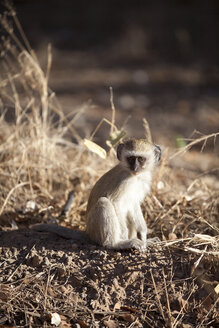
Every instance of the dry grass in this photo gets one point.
(36, 154)
(43, 157)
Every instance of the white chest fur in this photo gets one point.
(135, 190)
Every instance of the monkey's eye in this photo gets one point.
(131, 160)
(141, 159)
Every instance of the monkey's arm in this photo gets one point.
(139, 222)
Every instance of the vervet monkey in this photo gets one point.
(114, 217)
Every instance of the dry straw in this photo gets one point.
(36, 154)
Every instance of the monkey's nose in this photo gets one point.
(136, 168)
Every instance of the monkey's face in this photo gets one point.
(138, 155)
(136, 163)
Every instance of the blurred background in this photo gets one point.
(160, 57)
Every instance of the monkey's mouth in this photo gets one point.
(135, 172)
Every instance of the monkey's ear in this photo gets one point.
(158, 152)
(119, 151)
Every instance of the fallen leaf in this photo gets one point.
(110, 324)
(3, 297)
(117, 306)
(82, 324)
(128, 317)
(92, 146)
(172, 236)
(55, 319)
(184, 201)
(160, 185)
(180, 142)
(64, 324)
(4, 292)
(217, 289)
(31, 206)
(207, 303)
(51, 292)
(183, 304)
(128, 308)
(63, 289)
(115, 138)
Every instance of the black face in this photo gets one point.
(136, 163)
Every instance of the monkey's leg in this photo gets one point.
(139, 224)
(131, 243)
(105, 228)
(102, 223)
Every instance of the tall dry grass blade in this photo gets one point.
(49, 63)
(147, 130)
(20, 29)
(167, 299)
(100, 124)
(113, 111)
(157, 296)
(180, 315)
(22, 184)
(192, 143)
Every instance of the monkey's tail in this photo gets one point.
(76, 235)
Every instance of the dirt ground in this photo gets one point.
(88, 286)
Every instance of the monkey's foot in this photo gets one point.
(128, 244)
(138, 244)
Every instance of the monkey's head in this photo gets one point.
(138, 155)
